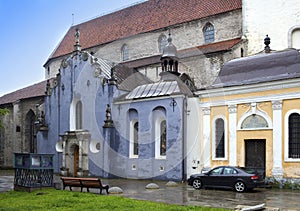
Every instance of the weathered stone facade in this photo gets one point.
(18, 134)
(196, 60)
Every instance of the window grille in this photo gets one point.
(209, 33)
(294, 135)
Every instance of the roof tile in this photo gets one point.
(144, 17)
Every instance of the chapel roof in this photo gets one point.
(140, 18)
(263, 67)
(35, 90)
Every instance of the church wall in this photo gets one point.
(186, 35)
(266, 17)
(262, 101)
(193, 134)
(291, 169)
(146, 165)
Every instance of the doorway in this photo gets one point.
(76, 159)
(255, 155)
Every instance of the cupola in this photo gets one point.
(169, 59)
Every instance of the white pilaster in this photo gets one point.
(277, 170)
(206, 137)
(232, 135)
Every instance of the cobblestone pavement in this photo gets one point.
(185, 195)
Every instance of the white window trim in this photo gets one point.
(286, 136)
(131, 139)
(214, 138)
(157, 139)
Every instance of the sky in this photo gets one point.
(30, 30)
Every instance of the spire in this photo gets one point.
(77, 46)
(169, 58)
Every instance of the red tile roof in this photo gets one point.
(144, 17)
(36, 90)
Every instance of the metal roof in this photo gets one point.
(259, 68)
(161, 88)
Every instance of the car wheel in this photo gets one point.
(239, 187)
(197, 183)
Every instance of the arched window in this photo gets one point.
(163, 138)
(254, 121)
(125, 52)
(162, 42)
(136, 139)
(160, 132)
(209, 33)
(219, 138)
(294, 135)
(78, 113)
(296, 38)
(30, 139)
(133, 133)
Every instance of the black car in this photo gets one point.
(228, 177)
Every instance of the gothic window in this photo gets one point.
(209, 33)
(78, 114)
(162, 42)
(125, 53)
(294, 135)
(219, 138)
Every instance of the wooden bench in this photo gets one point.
(83, 183)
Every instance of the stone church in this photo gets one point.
(115, 103)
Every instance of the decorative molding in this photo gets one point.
(232, 109)
(277, 105)
(206, 110)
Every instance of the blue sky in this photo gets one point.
(31, 29)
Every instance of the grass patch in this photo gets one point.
(51, 199)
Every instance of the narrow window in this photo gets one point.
(209, 33)
(135, 139)
(163, 138)
(220, 141)
(78, 115)
(294, 136)
(125, 53)
(162, 42)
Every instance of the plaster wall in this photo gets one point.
(275, 18)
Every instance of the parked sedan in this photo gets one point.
(226, 177)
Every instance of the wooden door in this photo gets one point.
(76, 159)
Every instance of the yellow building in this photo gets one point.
(251, 115)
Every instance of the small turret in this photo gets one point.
(169, 58)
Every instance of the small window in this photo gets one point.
(294, 136)
(162, 42)
(125, 53)
(209, 33)
(296, 38)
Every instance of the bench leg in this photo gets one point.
(70, 188)
(88, 190)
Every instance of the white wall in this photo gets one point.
(273, 17)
